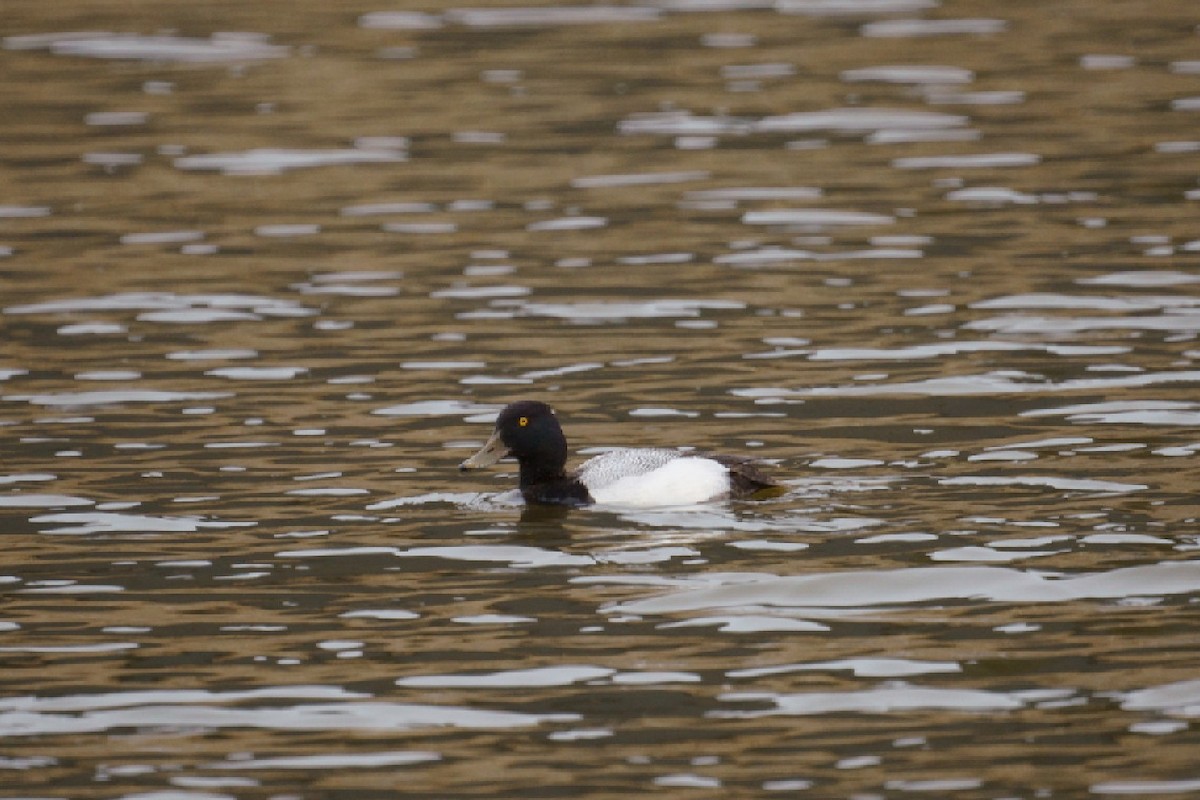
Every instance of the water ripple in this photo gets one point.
(167, 306)
(79, 523)
(345, 716)
(220, 48)
(912, 28)
(896, 697)
(614, 311)
(550, 15)
(275, 161)
(884, 588)
(330, 761)
(558, 675)
(992, 383)
(858, 120)
(113, 397)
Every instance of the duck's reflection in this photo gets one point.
(544, 522)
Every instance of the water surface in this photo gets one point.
(265, 279)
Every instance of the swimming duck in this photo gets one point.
(529, 432)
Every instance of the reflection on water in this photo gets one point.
(932, 262)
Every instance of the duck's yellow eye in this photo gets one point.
(523, 421)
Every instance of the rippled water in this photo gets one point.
(268, 276)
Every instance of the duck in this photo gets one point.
(529, 431)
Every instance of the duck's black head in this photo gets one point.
(529, 432)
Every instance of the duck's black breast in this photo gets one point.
(564, 491)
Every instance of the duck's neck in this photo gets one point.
(545, 461)
(536, 471)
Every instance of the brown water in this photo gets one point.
(937, 264)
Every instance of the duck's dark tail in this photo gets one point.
(747, 481)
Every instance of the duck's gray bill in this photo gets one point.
(489, 454)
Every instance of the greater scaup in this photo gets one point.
(529, 432)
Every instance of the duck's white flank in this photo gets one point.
(653, 477)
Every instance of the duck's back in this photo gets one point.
(653, 477)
